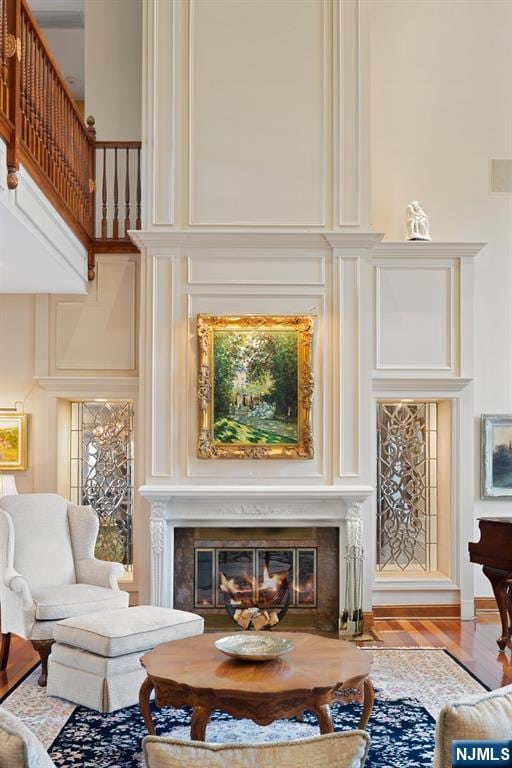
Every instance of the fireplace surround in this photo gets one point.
(179, 513)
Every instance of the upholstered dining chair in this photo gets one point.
(48, 570)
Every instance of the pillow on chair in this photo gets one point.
(487, 716)
(346, 749)
(19, 747)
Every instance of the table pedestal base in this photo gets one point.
(261, 709)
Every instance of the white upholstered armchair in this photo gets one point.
(48, 570)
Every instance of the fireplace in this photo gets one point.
(326, 520)
(264, 567)
(260, 576)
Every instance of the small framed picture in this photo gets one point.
(496, 456)
(13, 441)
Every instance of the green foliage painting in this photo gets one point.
(255, 386)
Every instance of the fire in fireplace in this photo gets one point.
(255, 576)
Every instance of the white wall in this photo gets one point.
(54, 349)
(441, 101)
(113, 67)
(17, 385)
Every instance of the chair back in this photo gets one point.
(42, 543)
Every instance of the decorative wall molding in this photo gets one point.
(399, 334)
(318, 175)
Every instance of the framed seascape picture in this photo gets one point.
(496, 456)
(13, 441)
(255, 387)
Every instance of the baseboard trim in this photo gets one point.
(485, 604)
(441, 611)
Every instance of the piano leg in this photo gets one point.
(500, 581)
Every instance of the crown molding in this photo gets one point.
(90, 386)
(253, 238)
(422, 248)
(419, 385)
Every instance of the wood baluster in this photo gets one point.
(138, 224)
(23, 95)
(127, 195)
(115, 223)
(14, 76)
(4, 98)
(37, 102)
(104, 197)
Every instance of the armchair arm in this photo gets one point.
(17, 583)
(100, 573)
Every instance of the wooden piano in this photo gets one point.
(494, 552)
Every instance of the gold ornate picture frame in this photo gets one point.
(255, 387)
(13, 441)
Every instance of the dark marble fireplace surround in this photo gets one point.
(324, 616)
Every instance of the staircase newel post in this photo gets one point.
(91, 130)
(15, 64)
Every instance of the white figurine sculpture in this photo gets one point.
(417, 222)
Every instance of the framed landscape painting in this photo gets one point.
(496, 456)
(255, 387)
(13, 441)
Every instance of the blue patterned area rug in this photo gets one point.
(411, 686)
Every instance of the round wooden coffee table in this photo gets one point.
(317, 672)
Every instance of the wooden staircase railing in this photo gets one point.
(44, 131)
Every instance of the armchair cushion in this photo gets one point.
(53, 603)
(346, 749)
(43, 553)
(487, 716)
(19, 747)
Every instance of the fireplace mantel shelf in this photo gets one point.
(288, 492)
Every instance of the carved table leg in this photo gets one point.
(368, 699)
(145, 709)
(4, 653)
(500, 582)
(323, 715)
(200, 719)
(43, 648)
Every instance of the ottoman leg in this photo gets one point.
(43, 648)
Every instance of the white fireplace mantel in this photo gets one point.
(239, 506)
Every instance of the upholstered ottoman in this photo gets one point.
(95, 659)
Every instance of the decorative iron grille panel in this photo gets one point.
(407, 486)
(102, 473)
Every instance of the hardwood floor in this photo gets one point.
(472, 642)
(21, 658)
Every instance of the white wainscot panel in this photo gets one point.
(257, 112)
(287, 266)
(415, 317)
(98, 331)
(279, 470)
